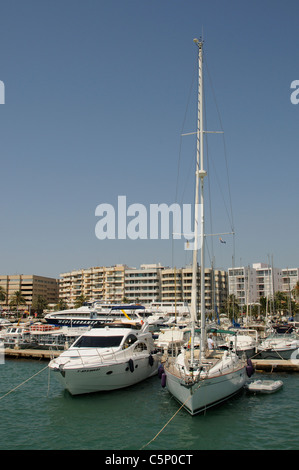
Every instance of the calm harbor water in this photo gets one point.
(40, 415)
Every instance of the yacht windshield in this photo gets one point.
(98, 342)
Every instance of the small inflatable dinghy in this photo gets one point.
(264, 386)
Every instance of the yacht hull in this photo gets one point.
(208, 392)
(284, 354)
(105, 377)
(249, 353)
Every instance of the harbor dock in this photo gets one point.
(276, 365)
(41, 354)
(260, 365)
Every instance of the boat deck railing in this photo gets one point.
(97, 357)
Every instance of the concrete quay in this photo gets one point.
(276, 365)
(41, 354)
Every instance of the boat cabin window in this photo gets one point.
(98, 342)
(129, 341)
(140, 347)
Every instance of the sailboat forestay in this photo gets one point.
(196, 379)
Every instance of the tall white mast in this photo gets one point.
(200, 174)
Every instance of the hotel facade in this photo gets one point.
(248, 284)
(149, 283)
(30, 287)
(152, 283)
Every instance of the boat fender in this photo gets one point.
(131, 365)
(163, 379)
(160, 371)
(249, 368)
(150, 360)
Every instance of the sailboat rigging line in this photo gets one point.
(224, 144)
(211, 257)
(180, 154)
(27, 380)
(184, 121)
(162, 429)
(229, 210)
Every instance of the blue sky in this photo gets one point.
(96, 95)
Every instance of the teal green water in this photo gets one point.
(41, 415)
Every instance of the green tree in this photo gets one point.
(281, 302)
(263, 304)
(295, 292)
(17, 299)
(232, 306)
(80, 301)
(2, 294)
(62, 305)
(39, 304)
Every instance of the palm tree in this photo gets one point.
(280, 302)
(296, 291)
(263, 304)
(232, 306)
(39, 304)
(2, 294)
(80, 301)
(17, 299)
(62, 305)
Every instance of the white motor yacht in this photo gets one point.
(4, 323)
(15, 336)
(246, 342)
(94, 313)
(279, 346)
(107, 358)
(171, 340)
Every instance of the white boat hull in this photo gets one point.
(264, 386)
(207, 392)
(106, 377)
(278, 348)
(277, 353)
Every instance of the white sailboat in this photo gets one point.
(195, 379)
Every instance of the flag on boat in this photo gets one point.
(222, 241)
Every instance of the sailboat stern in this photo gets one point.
(196, 396)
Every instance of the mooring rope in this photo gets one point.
(27, 380)
(154, 438)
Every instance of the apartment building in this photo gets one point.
(242, 284)
(30, 286)
(268, 280)
(149, 283)
(143, 285)
(248, 284)
(171, 285)
(96, 283)
(177, 284)
(289, 278)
